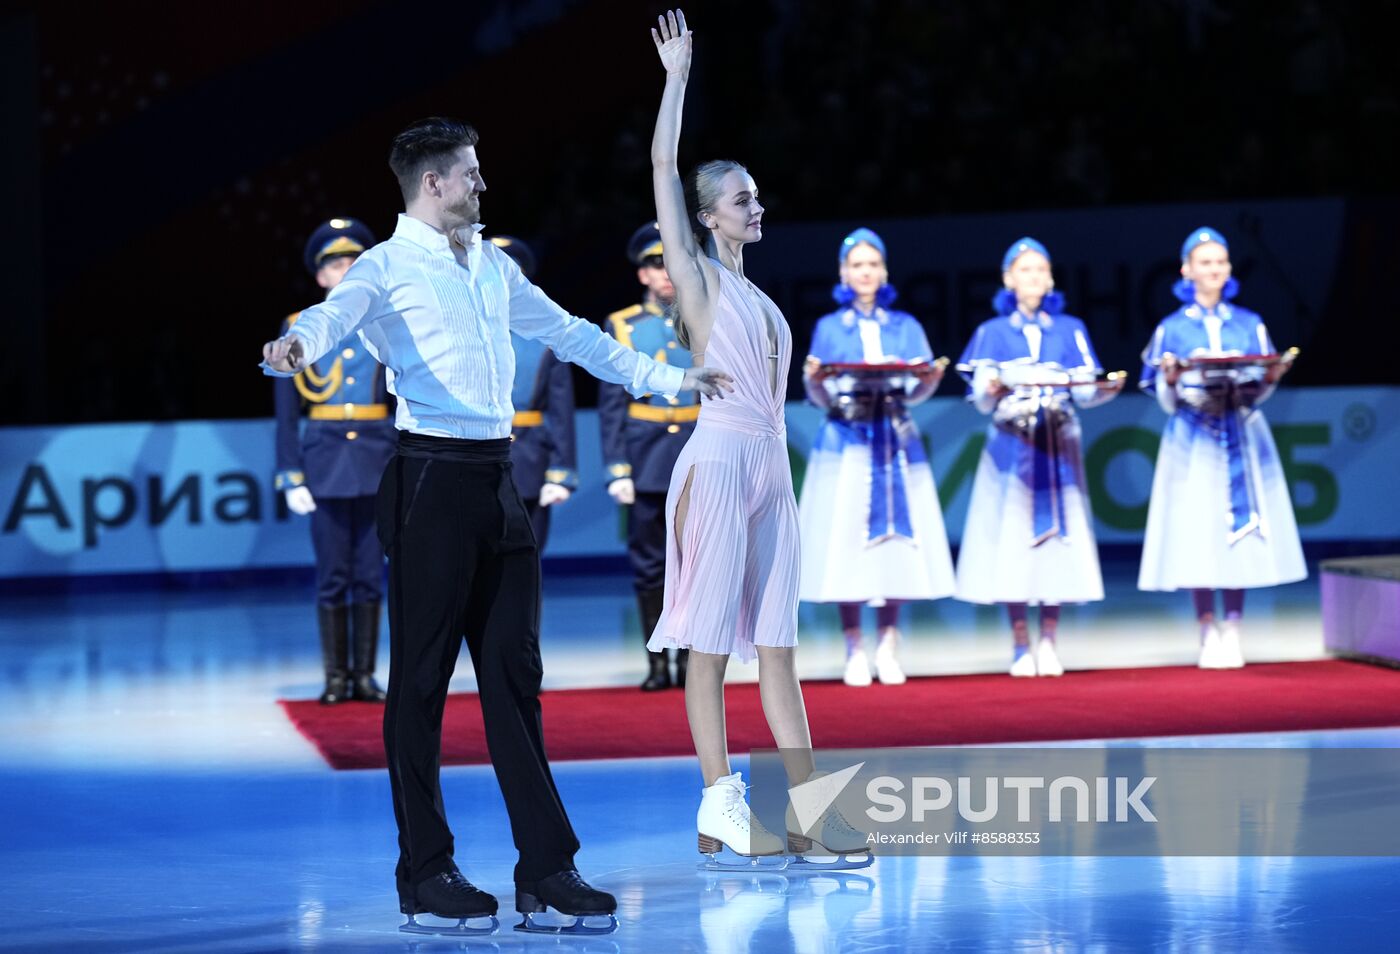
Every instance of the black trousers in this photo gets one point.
(539, 521)
(646, 541)
(349, 560)
(463, 565)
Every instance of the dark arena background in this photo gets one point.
(171, 776)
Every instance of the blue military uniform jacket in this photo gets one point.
(349, 434)
(642, 438)
(542, 450)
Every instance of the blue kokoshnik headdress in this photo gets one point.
(843, 294)
(1004, 301)
(1185, 289)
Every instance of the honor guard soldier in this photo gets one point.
(642, 439)
(542, 458)
(330, 469)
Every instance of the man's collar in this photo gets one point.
(421, 233)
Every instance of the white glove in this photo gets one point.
(299, 500)
(623, 491)
(551, 494)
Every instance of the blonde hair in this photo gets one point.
(702, 194)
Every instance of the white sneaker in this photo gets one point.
(1024, 665)
(886, 662)
(857, 669)
(1047, 662)
(725, 819)
(1212, 652)
(1230, 655)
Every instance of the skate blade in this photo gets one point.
(747, 865)
(579, 925)
(853, 861)
(802, 848)
(460, 929)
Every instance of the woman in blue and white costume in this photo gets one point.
(871, 527)
(1220, 516)
(1029, 534)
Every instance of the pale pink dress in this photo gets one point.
(732, 583)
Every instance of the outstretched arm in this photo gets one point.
(321, 327)
(684, 261)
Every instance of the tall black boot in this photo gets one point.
(364, 624)
(649, 603)
(334, 624)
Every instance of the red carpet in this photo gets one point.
(940, 710)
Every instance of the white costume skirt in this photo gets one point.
(999, 560)
(1189, 520)
(860, 547)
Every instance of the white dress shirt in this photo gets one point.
(438, 313)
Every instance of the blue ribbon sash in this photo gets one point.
(1230, 434)
(1047, 490)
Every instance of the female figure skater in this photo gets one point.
(1220, 515)
(1029, 535)
(731, 517)
(872, 528)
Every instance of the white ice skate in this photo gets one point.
(726, 821)
(1047, 661)
(829, 836)
(1230, 655)
(857, 669)
(1023, 665)
(1212, 651)
(886, 662)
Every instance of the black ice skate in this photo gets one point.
(450, 896)
(568, 894)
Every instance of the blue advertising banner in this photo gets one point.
(197, 495)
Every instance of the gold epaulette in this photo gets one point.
(622, 315)
(621, 330)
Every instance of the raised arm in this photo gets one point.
(692, 276)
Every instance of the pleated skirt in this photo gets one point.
(732, 568)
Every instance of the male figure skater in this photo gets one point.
(436, 306)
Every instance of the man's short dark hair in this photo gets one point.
(430, 143)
